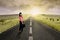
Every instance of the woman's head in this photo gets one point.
(20, 14)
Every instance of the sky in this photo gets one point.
(26, 6)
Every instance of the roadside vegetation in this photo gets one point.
(51, 20)
(9, 21)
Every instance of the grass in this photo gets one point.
(9, 21)
(7, 25)
(54, 23)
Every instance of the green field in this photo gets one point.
(9, 21)
(52, 20)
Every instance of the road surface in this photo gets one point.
(33, 31)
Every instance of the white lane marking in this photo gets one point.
(30, 38)
(30, 30)
(30, 22)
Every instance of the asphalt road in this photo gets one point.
(39, 32)
(44, 32)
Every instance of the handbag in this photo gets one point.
(23, 25)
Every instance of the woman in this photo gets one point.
(21, 22)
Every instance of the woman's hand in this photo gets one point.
(23, 22)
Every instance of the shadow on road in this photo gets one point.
(18, 36)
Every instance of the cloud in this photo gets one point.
(24, 4)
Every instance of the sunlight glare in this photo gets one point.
(35, 11)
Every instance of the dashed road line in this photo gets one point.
(30, 31)
(30, 22)
(30, 38)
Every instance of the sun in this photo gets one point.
(35, 11)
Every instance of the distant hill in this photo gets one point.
(10, 15)
(51, 15)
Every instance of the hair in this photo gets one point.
(20, 14)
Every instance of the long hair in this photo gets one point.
(20, 14)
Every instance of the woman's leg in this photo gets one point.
(21, 26)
